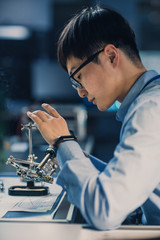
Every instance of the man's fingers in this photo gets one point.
(35, 118)
(42, 115)
(51, 110)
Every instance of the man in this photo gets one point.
(98, 49)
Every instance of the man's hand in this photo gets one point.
(51, 124)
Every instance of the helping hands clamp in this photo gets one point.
(34, 171)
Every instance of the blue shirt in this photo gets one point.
(107, 193)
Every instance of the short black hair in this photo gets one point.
(93, 28)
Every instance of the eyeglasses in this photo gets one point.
(75, 83)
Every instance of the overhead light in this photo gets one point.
(14, 32)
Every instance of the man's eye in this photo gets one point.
(79, 77)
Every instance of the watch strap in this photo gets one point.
(62, 139)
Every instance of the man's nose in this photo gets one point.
(82, 92)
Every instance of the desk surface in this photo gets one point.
(19, 230)
(42, 226)
(53, 206)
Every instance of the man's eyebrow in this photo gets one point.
(71, 70)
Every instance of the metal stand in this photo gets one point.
(34, 172)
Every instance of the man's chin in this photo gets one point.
(102, 108)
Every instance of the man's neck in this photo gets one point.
(130, 74)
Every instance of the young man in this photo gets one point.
(98, 49)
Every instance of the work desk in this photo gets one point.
(51, 207)
(19, 223)
(25, 230)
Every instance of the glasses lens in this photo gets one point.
(75, 84)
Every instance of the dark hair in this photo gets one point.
(93, 28)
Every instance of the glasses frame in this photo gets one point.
(75, 83)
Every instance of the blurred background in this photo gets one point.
(30, 74)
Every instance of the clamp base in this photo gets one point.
(29, 190)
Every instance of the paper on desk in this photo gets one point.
(5, 203)
(27, 203)
(35, 204)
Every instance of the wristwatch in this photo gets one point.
(58, 141)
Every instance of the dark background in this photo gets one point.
(31, 75)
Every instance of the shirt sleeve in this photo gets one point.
(107, 194)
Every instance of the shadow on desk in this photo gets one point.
(124, 232)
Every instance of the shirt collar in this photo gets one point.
(133, 93)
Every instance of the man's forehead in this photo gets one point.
(72, 64)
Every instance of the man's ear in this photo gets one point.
(112, 57)
(112, 54)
